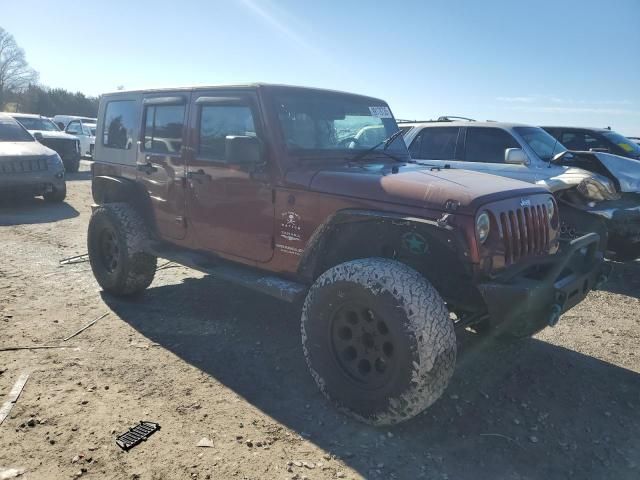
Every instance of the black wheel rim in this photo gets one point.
(109, 250)
(363, 345)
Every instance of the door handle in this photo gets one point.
(147, 168)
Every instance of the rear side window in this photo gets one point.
(218, 121)
(487, 145)
(119, 122)
(581, 141)
(435, 144)
(163, 128)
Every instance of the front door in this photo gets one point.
(230, 206)
(161, 164)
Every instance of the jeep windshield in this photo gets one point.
(43, 124)
(326, 124)
(543, 144)
(11, 131)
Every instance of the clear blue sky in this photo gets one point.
(561, 61)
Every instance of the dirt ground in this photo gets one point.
(206, 359)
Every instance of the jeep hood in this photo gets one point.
(11, 150)
(419, 186)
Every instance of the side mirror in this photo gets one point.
(242, 150)
(38, 136)
(515, 156)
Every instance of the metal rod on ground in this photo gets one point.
(13, 396)
(86, 326)
(35, 347)
(75, 259)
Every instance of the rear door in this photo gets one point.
(229, 206)
(161, 160)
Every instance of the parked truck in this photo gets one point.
(278, 189)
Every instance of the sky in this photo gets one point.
(563, 62)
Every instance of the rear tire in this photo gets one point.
(116, 241)
(378, 340)
(57, 195)
(72, 165)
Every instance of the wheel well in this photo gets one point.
(432, 250)
(111, 189)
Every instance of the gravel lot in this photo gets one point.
(206, 359)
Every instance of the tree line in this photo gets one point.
(21, 92)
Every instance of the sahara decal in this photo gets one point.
(290, 226)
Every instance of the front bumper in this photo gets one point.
(536, 293)
(622, 218)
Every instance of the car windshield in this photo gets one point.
(543, 144)
(11, 131)
(321, 123)
(38, 123)
(623, 142)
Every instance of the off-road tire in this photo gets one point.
(116, 241)
(72, 165)
(57, 195)
(416, 320)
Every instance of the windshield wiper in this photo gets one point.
(384, 144)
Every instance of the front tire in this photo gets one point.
(378, 340)
(57, 195)
(116, 240)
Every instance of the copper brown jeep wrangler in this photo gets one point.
(310, 195)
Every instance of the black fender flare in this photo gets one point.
(440, 231)
(112, 189)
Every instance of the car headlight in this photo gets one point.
(483, 226)
(598, 189)
(551, 208)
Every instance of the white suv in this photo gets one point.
(589, 186)
(86, 133)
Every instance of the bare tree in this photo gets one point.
(15, 72)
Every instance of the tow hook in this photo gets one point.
(556, 310)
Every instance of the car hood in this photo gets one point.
(626, 170)
(11, 150)
(597, 165)
(419, 186)
(50, 134)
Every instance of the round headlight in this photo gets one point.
(551, 208)
(483, 225)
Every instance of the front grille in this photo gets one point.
(63, 146)
(23, 165)
(524, 232)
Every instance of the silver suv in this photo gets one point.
(26, 166)
(596, 191)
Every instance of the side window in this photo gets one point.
(163, 128)
(438, 143)
(218, 121)
(118, 125)
(572, 140)
(487, 145)
(74, 128)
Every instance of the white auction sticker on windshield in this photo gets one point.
(380, 112)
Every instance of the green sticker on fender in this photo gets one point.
(415, 243)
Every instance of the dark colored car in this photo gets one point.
(26, 166)
(47, 133)
(595, 139)
(311, 196)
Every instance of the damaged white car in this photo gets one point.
(596, 191)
